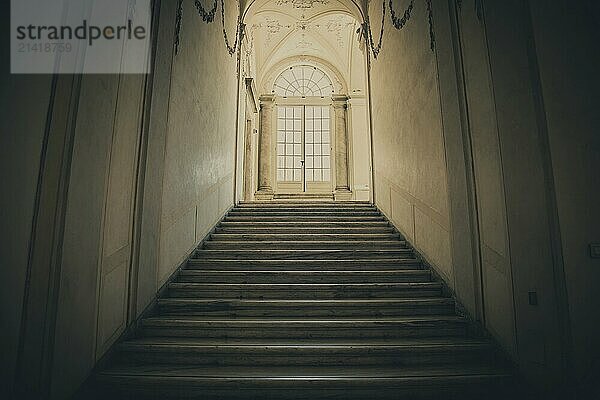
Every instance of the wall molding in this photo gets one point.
(169, 219)
(429, 211)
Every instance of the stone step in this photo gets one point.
(266, 276)
(305, 300)
(303, 218)
(275, 204)
(302, 328)
(304, 213)
(293, 237)
(304, 290)
(304, 244)
(252, 229)
(296, 224)
(372, 308)
(304, 254)
(380, 264)
(158, 381)
(399, 352)
(294, 210)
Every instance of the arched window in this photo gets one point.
(303, 81)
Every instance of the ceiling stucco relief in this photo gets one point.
(287, 29)
(304, 44)
(338, 25)
(271, 27)
(335, 24)
(302, 4)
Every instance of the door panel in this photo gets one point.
(289, 149)
(303, 149)
(318, 149)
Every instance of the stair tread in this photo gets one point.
(293, 276)
(330, 227)
(307, 212)
(301, 272)
(309, 242)
(312, 260)
(291, 220)
(317, 343)
(295, 373)
(268, 245)
(283, 251)
(308, 237)
(305, 203)
(328, 216)
(277, 286)
(334, 252)
(299, 321)
(315, 302)
(387, 264)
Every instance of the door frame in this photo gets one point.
(303, 102)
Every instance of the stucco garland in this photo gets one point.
(209, 17)
(398, 23)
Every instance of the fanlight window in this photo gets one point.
(303, 81)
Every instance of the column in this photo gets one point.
(342, 186)
(265, 156)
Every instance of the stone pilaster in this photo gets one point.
(342, 185)
(265, 156)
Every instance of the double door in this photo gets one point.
(304, 157)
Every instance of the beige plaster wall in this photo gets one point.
(188, 183)
(77, 309)
(199, 151)
(186, 179)
(409, 158)
(465, 119)
(488, 178)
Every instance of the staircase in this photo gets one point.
(305, 301)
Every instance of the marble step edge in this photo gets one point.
(224, 263)
(303, 218)
(144, 386)
(342, 375)
(292, 209)
(317, 303)
(306, 286)
(298, 224)
(307, 227)
(300, 276)
(277, 308)
(296, 323)
(320, 237)
(254, 272)
(406, 250)
(483, 349)
(326, 244)
(304, 213)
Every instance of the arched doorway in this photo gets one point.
(311, 131)
(304, 128)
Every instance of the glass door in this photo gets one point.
(317, 149)
(303, 149)
(290, 155)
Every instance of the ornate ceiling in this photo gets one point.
(281, 30)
